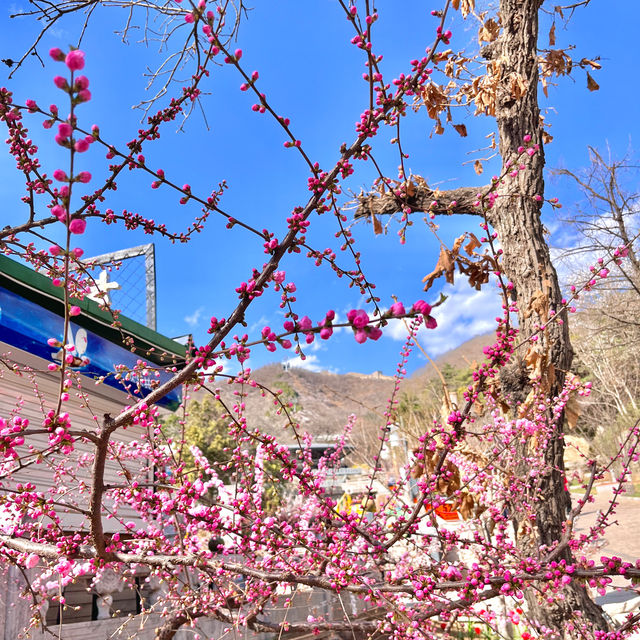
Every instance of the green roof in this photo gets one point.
(38, 288)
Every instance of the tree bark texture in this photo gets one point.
(527, 263)
(421, 200)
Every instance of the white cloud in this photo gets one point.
(573, 252)
(310, 363)
(465, 314)
(317, 345)
(194, 318)
(257, 326)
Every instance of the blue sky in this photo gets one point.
(312, 74)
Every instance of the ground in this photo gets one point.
(621, 539)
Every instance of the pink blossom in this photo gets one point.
(81, 145)
(54, 250)
(84, 177)
(31, 105)
(31, 561)
(77, 225)
(75, 60)
(60, 82)
(65, 129)
(431, 322)
(84, 95)
(60, 175)
(360, 336)
(397, 309)
(375, 333)
(74, 311)
(77, 252)
(358, 318)
(56, 282)
(56, 54)
(422, 307)
(59, 212)
(82, 82)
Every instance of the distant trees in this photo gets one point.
(606, 325)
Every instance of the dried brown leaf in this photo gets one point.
(377, 227)
(461, 129)
(572, 412)
(592, 85)
(435, 99)
(489, 31)
(473, 244)
(466, 503)
(534, 361)
(445, 265)
(467, 7)
(592, 63)
(455, 250)
(477, 167)
(555, 62)
(518, 86)
(539, 305)
(552, 35)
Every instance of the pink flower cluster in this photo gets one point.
(58, 426)
(78, 91)
(10, 436)
(359, 320)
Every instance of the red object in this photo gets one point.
(445, 511)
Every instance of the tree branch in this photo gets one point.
(420, 197)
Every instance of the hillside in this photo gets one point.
(323, 401)
(461, 358)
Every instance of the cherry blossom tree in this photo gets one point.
(516, 560)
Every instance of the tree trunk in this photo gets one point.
(527, 263)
